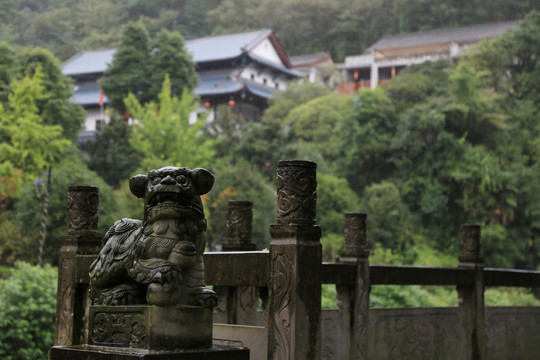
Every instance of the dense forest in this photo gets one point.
(439, 145)
(67, 26)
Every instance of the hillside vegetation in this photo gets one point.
(439, 145)
(341, 27)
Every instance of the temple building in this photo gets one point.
(384, 59)
(242, 70)
(319, 67)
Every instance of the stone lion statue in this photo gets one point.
(157, 261)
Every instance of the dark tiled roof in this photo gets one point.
(224, 46)
(217, 84)
(308, 59)
(88, 95)
(206, 49)
(460, 35)
(259, 90)
(88, 62)
(225, 82)
(290, 72)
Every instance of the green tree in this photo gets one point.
(27, 310)
(169, 56)
(334, 199)
(267, 142)
(110, 154)
(128, 72)
(364, 137)
(99, 23)
(54, 30)
(56, 108)
(140, 65)
(312, 125)
(233, 16)
(195, 20)
(389, 221)
(240, 181)
(6, 10)
(229, 128)
(168, 19)
(164, 136)
(424, 155)
(417, 83)
(31, 145)
(7, 60)
(524, 42)
(27, 211)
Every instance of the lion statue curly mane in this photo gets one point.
(159, 260)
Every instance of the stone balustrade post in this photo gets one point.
(294, 324)
(82, 240)
(471, 299)
(241, 301)
(354, 301)
(239, 226)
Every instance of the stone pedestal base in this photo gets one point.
(151, 327)
(86, 352)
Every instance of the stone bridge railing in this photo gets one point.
(287, 279)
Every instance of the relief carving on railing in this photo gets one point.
(83, 202)
(435, 335)
(66, 289)
(282, 310)
(247, 298)
(119, 329)
(362, 320)
(239, 221)
(296, 192)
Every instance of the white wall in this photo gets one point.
(266, 77)
(92, 115)
(266, 50)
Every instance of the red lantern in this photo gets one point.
(207, 104)
(232, 102)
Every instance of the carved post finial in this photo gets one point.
(83, 203)
(355, 242)
(296, 192)
(239, 226)
(470, 244)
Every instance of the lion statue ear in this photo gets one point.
(203, 180)
(137, 185)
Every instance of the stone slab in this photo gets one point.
(512, 333)
(416, 334)
(90, 352)
(253, 337)
(151, 327)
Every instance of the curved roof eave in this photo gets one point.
(290, 72)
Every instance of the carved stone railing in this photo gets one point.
(239, 303)
(294, 301)
(293, 271)
(79, 248)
